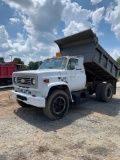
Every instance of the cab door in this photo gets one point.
(75, 76)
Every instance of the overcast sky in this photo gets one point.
(28, 28)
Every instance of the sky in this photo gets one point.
(28, 28)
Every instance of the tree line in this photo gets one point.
(118, 61)
(34, 65)
(31, 65)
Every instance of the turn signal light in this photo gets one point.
(46, 80)
(57, 54)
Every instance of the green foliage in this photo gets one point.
(1, 60)
(18, 60)
(31, 66)
(34, 65)
(118, 60)
(25, 67)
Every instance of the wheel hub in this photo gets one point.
(59, 105)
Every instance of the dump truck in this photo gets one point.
(6, 70)
(81, 68)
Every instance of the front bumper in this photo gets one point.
(29, 99)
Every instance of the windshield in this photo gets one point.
(54, 63)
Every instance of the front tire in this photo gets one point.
(57, 104)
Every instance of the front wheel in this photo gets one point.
(57, 104)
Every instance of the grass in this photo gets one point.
(119, 78)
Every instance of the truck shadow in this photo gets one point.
(111, 108)
(36, 117)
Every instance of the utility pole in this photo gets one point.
(11, 57)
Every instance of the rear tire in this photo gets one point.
(57, 105)
(98, 91)
(22, 104)
(106, 92)
(91, 92)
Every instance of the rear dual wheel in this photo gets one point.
(104, 92)
(98, 91)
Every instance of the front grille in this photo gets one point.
(26, 81)
(22, 80)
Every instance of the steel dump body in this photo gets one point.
(99, 65)
(6, 70)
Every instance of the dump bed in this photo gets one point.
(7, 68)
(99, 65)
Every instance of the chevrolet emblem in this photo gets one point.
(22, 81)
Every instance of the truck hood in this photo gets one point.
(38, 71)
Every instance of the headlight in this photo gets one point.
(33, 81)
(15, 79)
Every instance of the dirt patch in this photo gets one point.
(98, 150)
(84, 157)
(7, 104)
(2, 157)
(42, 149)
(20, 156)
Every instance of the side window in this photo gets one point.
(72, 64)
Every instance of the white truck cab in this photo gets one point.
(51, 85)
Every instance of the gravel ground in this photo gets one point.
(90, 131)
